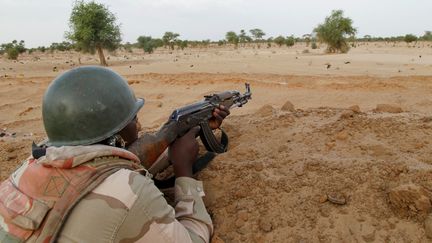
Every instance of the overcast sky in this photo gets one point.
(41, 22)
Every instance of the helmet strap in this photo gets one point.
(116, 141)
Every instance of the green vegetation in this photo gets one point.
(280, 40)
(427, 36)
(232, 38)
(334, 31)
(93, 27)
(257, 34)
(13, 49)
(63, 46)
(169, 39)
(148, 44)
(410, 38)
(290, 41)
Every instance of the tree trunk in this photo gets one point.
(101, 56)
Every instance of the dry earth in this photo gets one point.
(348, 160)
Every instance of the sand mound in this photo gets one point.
(388, 108)
(266, 110)
(337, 180)
(288, 106)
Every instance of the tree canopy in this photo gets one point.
(334, 32)
(232, 38)
(257, 34)
(93, 28)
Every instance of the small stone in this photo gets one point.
(243, 215)
(288, 106)
(428, 226)
(265, 225)
(239, 223)
(388, 108)
(347, 114)
(355, 108)
(336, 198)
(323, 198)
(343, 135)
(299, 169)
(217, 239)
(259, 167)
(369, 237)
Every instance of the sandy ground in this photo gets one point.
(333, 167)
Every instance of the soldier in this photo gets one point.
(84, 186)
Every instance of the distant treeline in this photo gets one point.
(172, 41)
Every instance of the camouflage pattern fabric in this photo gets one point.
(124, 207)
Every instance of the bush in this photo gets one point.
(314, 45)
(13, 49)
(280, 40)
(410, 38)
(12, 53)
(290, 41)
(148, 44)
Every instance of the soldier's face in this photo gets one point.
(130, 132)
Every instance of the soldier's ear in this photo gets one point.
(116, 141)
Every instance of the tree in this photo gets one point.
(257, 34)
(280, 40)
(307, 38)
(243, 37)
(169, 39)
(93, 27)
(232, 38)
(367, 38)
(410, 38)
(334, 30)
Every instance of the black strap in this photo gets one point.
(209, 140)
(38, 151)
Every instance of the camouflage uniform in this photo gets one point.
(94, 194)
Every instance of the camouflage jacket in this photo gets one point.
(93, 194)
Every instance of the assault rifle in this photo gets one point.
(149, 147)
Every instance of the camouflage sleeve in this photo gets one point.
(190, 210)
(151, 219)
(127, 207)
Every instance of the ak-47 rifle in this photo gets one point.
(150, 146)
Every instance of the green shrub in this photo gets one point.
(280, 40)
(410, 38)
(12, 53)
(290, 41)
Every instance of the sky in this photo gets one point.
(42, 22)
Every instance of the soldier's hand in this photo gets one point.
(183, 153)
(218, 115)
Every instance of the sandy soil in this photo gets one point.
(347, 159)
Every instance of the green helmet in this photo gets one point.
(87, 105)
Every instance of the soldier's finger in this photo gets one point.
(222, 114)
(217, 116)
